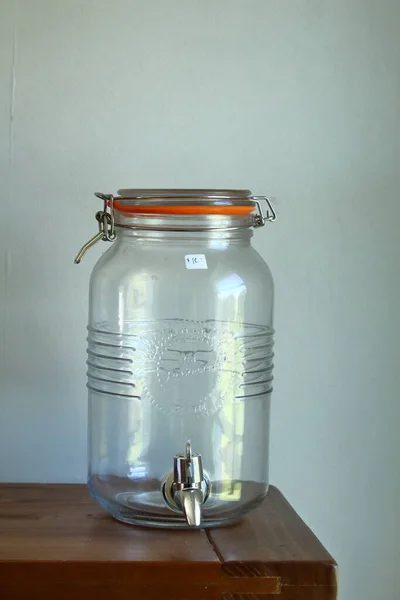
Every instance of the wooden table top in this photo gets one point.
(56, 543)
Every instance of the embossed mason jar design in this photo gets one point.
(180, 350)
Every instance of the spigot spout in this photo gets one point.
(191, 502)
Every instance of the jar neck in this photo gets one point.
(210, 230)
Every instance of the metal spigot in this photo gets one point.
(187, 488)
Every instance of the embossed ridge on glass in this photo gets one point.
(181, 366)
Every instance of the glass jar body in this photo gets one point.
(179, 348)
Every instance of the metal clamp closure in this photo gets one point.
(105, 219)
(261, 218)
(106, 222)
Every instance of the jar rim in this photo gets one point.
(177, 193)
(184, 201)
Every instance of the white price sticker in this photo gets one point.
(195, 261)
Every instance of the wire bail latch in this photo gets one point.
(106, 222)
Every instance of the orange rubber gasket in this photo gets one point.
(184, 209)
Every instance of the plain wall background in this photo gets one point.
(297, 99)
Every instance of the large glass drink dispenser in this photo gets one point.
(180, 350)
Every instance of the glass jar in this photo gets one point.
(179, 358)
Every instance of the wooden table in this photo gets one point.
(57, 544)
